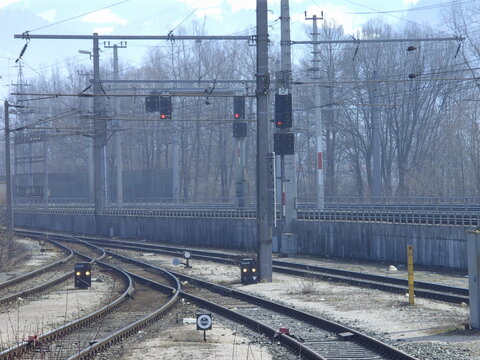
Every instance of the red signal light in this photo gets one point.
(279, 123)
(163, 116)
(237, 116)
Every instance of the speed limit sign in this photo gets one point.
(204, 321)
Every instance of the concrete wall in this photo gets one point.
(433, 245)
(80, 224)
(221, 233)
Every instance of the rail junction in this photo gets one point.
(310, 338)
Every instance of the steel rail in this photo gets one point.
(297, 347)
(384, 285)
(42, 287)
(14, 352)
(102, 344)
(423, 289)
(289, 342)
(41, 270)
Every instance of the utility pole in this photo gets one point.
(376, 166)
(24, 152)
(241, 173)
(99, 138)
(175, 158)
(116, 126)
(264, 202)
(91, 185)
(240, 135)
(320, 199)
(8, 178)
(45, 171)
(23, 121)
(289, 178)
(99, 117)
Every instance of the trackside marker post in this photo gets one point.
(411, 294)
(204, 322)
(473, 254)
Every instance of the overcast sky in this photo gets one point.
(159, 17)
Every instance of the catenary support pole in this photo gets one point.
(176, 163)
(290, 181)
(91, 186)
(377, 158)
(117, 129)
(45, 171)
(320, 193)
(264, 230)
(99, 139)
(240, 172)
(8, 178)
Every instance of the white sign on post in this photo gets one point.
(204, 322)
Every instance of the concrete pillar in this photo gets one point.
(473, 253)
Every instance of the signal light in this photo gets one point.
(284, 143)
(239, 107)
(152, 103)
(248, 274)
(239, 129)
(283, 111)
(165, 107)
(83, 272)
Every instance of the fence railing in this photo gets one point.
(469, 219)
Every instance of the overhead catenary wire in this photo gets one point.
(394, 16)
(77, 16)
(417, 8)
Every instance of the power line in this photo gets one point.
(77, 16)
(391, 15)
(418, 8)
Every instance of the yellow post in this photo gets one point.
(410, 274)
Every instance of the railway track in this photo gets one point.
(48, 276)
(124, 315)
(309, 336)
(36, 280)
(423, 289)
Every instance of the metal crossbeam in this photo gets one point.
(177, 81)
(359, 41)
(28, 36)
